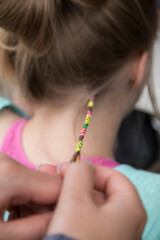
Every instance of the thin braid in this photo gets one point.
(76, 156)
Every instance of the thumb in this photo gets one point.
(79, 181)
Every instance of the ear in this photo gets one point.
(139, 69)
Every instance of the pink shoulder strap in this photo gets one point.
(12, 143)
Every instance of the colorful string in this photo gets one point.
(76, 156)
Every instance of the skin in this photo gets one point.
(20, 186)
(121, 212)
(119, 215)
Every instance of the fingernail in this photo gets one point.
(89, 162)
(42, 165)
(65, 165)
(59, 167)
(39, 166)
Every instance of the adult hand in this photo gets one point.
(21, 186)
(120, 216)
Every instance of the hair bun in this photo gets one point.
(29, 20)
(33, 21)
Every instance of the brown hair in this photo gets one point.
(55, 46)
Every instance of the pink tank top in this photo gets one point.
(12, 147)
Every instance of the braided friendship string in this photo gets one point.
(76, 156)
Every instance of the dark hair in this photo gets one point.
(55, 46)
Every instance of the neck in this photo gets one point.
(51, 135)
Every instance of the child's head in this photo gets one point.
(61, 45)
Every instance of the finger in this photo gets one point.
(50, 169)
(121, 198)
(114, 184)
(99, 198)
(31, 228)
(62, 168)
(79, 181)
(107, 180)
(29, 186)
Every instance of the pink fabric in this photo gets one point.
(12, 144)
(105, 162)
(12, 147)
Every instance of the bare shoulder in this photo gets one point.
(7, 117)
